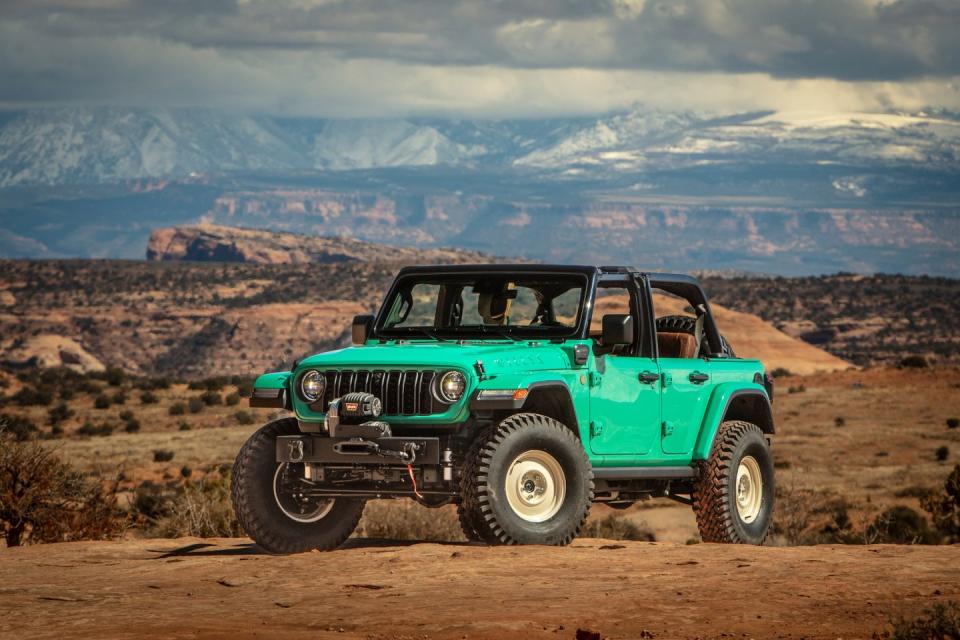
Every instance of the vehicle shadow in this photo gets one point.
(209, 549)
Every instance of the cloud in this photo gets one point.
(524, 57)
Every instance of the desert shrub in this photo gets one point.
(243, 417)
(244, 387)
(42, 499)
(914, 491)
(196, 405)
(839, 421)
(202, 509)
(942, 453)
(183, 426)
(149, 397)
(149, 502)
(119, 397)
(115, 377)
(126, 414)
(806, 517)
(209, 384)
(407, 520)
(56, 431)
(131, 426)
(177, 409)
(30, 396)
(90, 429)
(953, 423)
(914, 362)
(17, 426)
(615, 527)
(944, 508)
(59, 413)
(162, 455)
(781, 372)
(87, 386)
(101, 402)
(940, 622)
(232, 399)
(900, 525)
(66, 393)
(186, 471)
(152, 384)
(798, 389)
(211, 398)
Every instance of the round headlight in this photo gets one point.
(451, 387)
(312, 386)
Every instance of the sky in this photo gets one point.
(500, 58)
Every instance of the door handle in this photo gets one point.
(698, 378)
(649, 377)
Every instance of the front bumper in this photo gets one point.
(356, 451)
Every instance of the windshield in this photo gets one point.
(484, 305)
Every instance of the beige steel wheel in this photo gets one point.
(749, 488)
(535, 486)
(295, 506)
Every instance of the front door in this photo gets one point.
(624, 409)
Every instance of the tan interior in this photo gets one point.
(676, 345)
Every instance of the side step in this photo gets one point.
(643, 473)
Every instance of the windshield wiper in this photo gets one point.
(428, 333)
(500, 332)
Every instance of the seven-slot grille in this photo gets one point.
(403, 393)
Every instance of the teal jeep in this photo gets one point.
(522, 394)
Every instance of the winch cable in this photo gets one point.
(413, 480)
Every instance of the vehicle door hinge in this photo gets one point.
(595, 379)
(667, 378)
(596, 428)
(667, 428)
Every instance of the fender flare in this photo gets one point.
(738, 402)
(567, 409)
(271, 391)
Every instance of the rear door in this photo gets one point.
(686, 378)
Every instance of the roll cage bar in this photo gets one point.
(681, 285)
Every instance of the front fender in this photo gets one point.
(733, 401)
(272, 391)
(566, 384)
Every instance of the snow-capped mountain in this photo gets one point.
(779, 192)
(108, 145)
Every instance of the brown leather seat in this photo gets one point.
(676, 345)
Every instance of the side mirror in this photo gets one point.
(617, 329)
(361, 328)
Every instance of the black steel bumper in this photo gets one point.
(324, 450)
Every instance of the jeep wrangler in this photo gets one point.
(521, 394)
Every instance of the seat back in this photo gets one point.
(676, 345)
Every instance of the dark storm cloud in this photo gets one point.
(381, 57)
(844, 39)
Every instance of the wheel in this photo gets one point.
(688, 324)
(733, 496)
(527, 481)
(269, 508)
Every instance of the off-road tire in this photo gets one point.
(257, 510)
(687, 324)
(714, 495)
(482, 482)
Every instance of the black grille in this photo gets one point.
(403, 393)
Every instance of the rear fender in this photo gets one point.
(733, 401)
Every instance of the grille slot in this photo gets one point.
(403, 393)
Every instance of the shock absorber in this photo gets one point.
(447, 465)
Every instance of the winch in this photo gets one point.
(354, 415)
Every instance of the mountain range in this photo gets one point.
(777, 192)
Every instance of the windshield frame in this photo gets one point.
(587, 276)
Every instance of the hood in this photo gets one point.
(496, 356)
